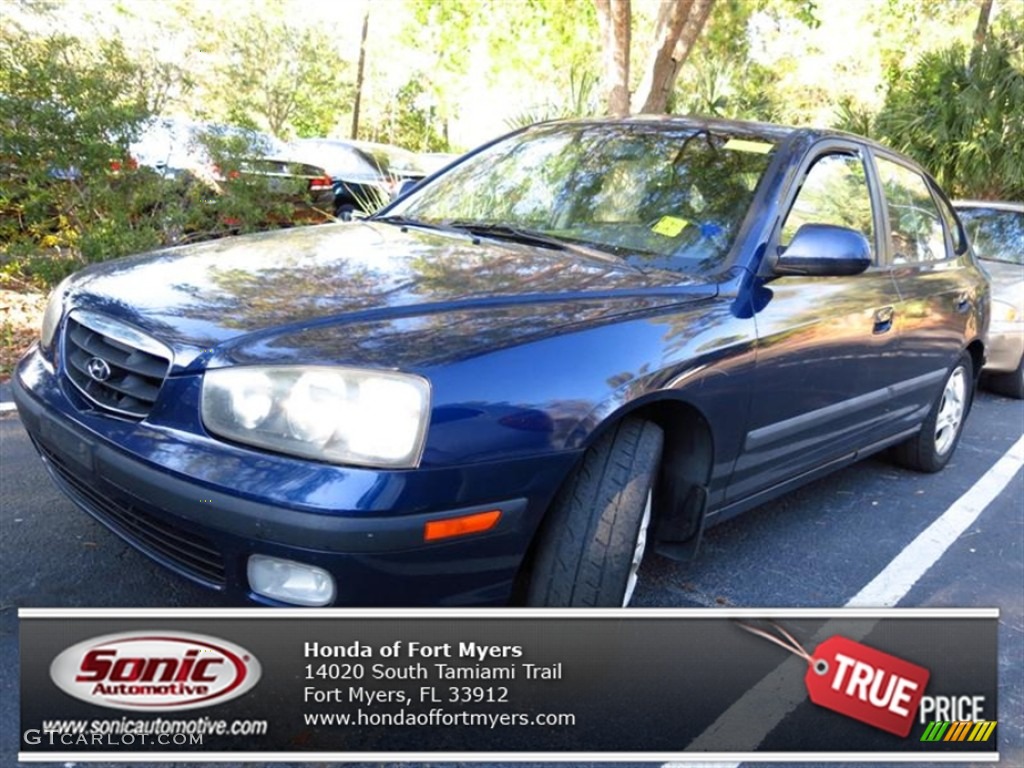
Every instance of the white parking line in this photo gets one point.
(5, 407)
(765, 705)
(893, 583)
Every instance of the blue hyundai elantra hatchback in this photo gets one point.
(584, 341)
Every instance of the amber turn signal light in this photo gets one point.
(461, 526)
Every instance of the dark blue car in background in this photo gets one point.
(583, 341)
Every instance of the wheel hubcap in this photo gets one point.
(951, 411)
(638, 553)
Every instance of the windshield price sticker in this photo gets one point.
(745, 145)
(669, 226)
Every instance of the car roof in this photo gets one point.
(798, 138)
(995, 205)
(774, 131)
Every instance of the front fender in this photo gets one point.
(554, 394)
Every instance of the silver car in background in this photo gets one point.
(996, 230)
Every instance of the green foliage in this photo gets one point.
(276, 74)
(409, 120)
(69, 192)
(67, 115)
(961, 115)
(582, 101)
(721, 79)
(854, 118)
(547, 47)
(720, 88)
(69, 108)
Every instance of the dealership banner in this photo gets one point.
(508, 684)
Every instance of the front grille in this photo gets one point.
(113, 365)
(194, 554)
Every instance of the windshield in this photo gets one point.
(657, 195)
(997, 235)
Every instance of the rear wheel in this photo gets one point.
(595, 535)
(931, 448)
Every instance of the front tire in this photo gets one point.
(931, 448)
(593, 539)
(1009, 384)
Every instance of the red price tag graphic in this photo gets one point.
(866, 684)
(857, 680)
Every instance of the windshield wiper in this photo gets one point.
(408, 221)
(556, 242)
(477, 229)
(473, 229)
(514, 234)
(505, 232)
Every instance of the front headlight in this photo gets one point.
(340, 415)
(52, 315)
(1004, 312)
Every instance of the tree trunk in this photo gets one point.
(614, 16)
(680, 23)
(359, 73)
(981, 30)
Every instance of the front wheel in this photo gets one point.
(931, 448)
(594, 537)
(1009, 384)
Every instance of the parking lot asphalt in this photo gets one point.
(816, 547)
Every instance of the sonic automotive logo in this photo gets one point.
(155, 671)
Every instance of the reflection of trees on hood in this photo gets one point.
(423, 271)
(296, 291)
(373, 294)
(280, 295)
(480, 271)
(447, 336)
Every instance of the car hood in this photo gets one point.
(276, 297)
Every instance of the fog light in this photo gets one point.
(290, 582)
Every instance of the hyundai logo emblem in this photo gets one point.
(97, 369)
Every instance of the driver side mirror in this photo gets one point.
(825, 250)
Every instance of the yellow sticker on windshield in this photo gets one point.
(669, 226)
(742, 145)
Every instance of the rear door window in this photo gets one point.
(916, 234)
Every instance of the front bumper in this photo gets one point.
(365, 527)
(1005, 347)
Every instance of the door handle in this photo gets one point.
(963, 303)
(883, 319)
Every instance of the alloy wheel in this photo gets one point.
(951, 411)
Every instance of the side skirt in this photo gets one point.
(730, 511)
